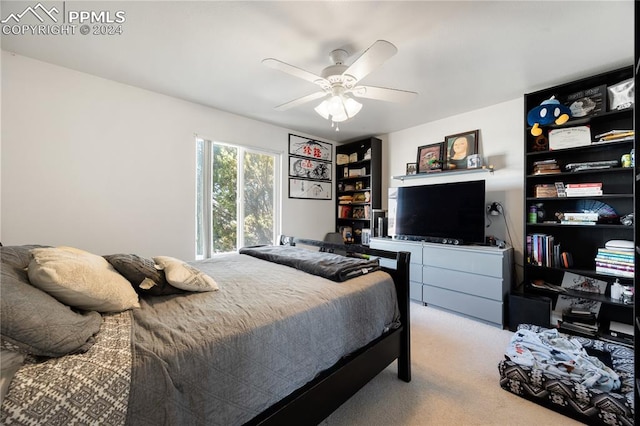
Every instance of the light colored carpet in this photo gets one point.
(455, 381)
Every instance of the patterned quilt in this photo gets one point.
(88, 388)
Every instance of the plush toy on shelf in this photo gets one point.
(548, 112)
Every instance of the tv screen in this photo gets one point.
(450, 210)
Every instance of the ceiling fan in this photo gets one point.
(339, 81)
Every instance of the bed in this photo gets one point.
(272, 345)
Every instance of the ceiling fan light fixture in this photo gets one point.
(323, 109)
(338, 108)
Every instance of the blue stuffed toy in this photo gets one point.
(548, 112)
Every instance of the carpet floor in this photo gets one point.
(455, 381)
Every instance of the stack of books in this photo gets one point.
(546, 167)
(583, 189)
(589, 218)
(619, 262)
(345, 199)
(580, 320)
(545, 190)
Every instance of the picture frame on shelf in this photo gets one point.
(310, 148)
(412, 168)
(459, 147)
(474, 161)
(430, 158)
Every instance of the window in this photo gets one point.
(237, 197)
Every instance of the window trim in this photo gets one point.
(207, 231)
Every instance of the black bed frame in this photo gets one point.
(316, 400)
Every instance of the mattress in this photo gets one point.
(209, 358)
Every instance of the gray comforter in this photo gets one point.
(223, 357)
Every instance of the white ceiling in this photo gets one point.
(459, 56)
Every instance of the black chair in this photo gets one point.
(334, 238)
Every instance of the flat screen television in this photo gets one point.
(452, 211)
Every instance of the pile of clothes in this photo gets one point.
(560, 356)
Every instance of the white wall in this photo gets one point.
(110, 168)
(501, 144)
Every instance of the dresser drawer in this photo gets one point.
(464, 282)
(483, 262)
(477, 307)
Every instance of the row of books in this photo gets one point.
(346, 211)
(542, 250)
(615, 262)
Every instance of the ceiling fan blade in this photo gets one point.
(296, 72)
(300, 101)
(383, 94)
(372, 58)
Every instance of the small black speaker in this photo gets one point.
(529, 309)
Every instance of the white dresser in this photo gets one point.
(469, 280)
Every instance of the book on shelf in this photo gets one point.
(577, 329)
(344, 211)
(545, 167)
(545, 190)
(580, 189)
(578, 217)
(584, 185)
(615, 264)
(617, 251)
(580, 317)
(577, 222)
(615, 259)
(615, 272)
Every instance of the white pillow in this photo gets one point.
(81, 279)
(184, 276)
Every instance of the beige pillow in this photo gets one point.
(184, 276)
(81, 279)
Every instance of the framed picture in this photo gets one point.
(309, 168)
(459, 147)
(309, 189)
(412, 168)
(474, 161)
(309, 148)
(429, 158)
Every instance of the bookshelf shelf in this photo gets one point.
(562, 248)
